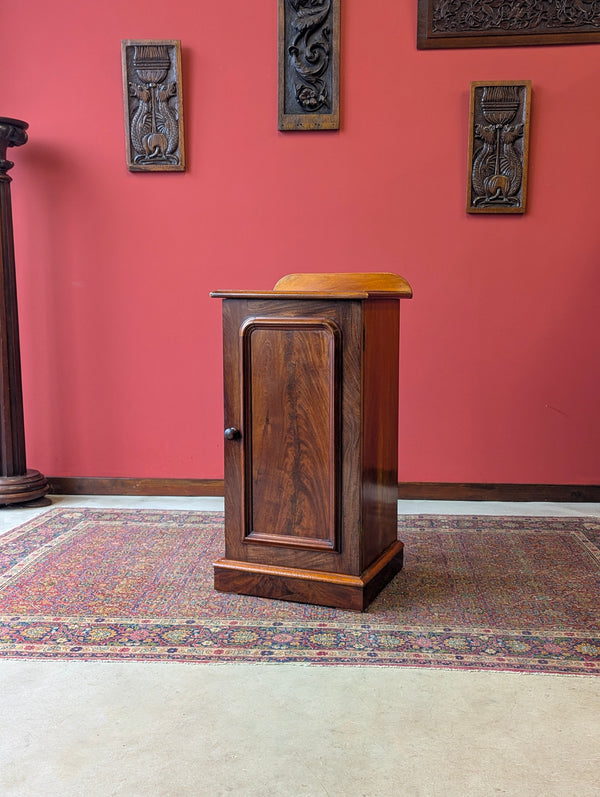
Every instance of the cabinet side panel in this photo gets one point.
(380, 419)
(291, 388)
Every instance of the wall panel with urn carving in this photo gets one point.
(153, 105)
(498, 147)
(309, 56)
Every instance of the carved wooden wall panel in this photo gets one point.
(309, 55)
(153, 102)
(497, 23)
(498, 147)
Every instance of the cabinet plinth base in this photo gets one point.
(23, 488)
(310, 586)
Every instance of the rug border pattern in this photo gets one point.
(225, 640)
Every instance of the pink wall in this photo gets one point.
(121, 349)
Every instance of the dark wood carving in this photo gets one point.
(498, 147)
(17, 484)
(497, 23)
(309, 54)
(153, 102)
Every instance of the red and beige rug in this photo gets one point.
(478, 593)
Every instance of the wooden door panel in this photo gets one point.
(337, 486)
(291, 369)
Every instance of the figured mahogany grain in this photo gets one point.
(381, 320)
(311, 450)
(256, 470)
(292, 369)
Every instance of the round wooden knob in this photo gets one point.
(232, 433)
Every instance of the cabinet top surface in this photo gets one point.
(330, 286)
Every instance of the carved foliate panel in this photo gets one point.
(153, 105)
(498, 147)
(309, 55)
(498, 23)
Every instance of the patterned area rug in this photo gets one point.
(477, 593)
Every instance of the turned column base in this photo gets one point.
(25, 487)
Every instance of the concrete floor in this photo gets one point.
(97, 729)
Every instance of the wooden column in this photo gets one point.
(17, 483)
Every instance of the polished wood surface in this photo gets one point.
(291, 371)
(310, 586)
(17, 483)
(450, 491)
(258, 473)
(422, 491)
(371, 283)
(380, 426)
(311, 453)
(80, 485)
(291, 294)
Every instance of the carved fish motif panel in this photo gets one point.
(498, 147)
(153, 105)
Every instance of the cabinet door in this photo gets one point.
(284, 464)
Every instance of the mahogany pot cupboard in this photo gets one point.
(311, 449)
